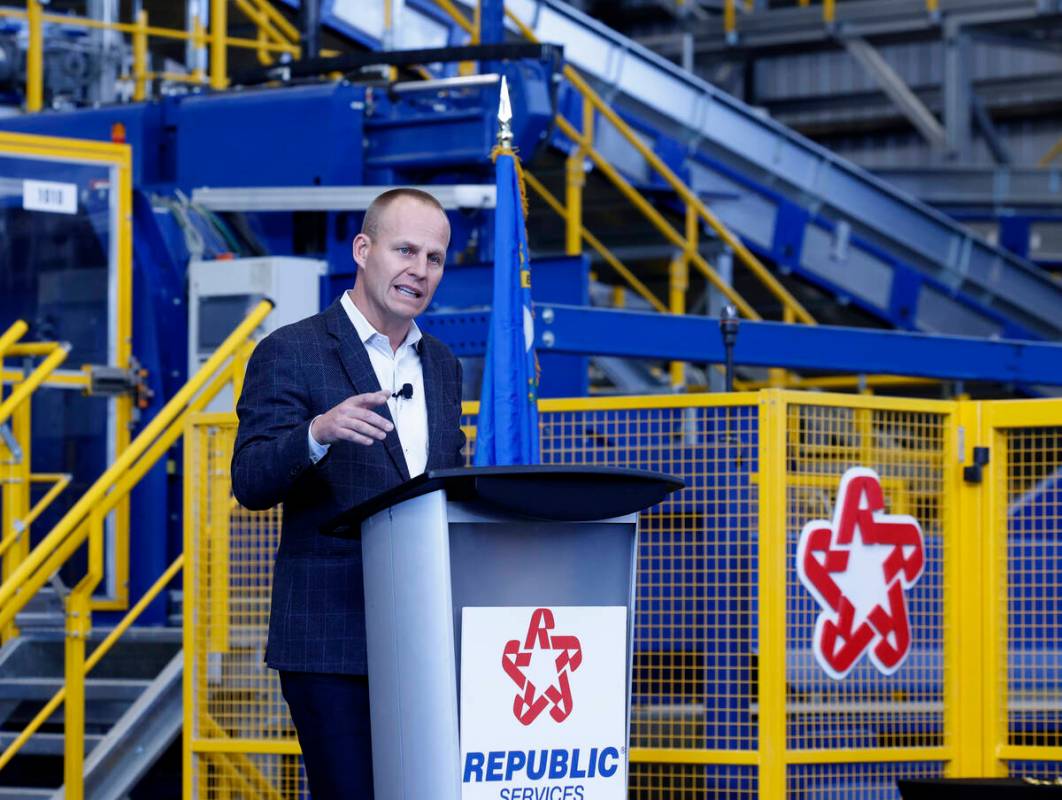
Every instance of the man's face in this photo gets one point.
(402, 265)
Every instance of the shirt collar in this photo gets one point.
(366, 331)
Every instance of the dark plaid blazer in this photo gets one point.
(317, 618)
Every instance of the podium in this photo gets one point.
(561, 542)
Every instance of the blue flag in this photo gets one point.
(507, 427)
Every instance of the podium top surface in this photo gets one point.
(561, 493)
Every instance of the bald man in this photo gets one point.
(325, 425)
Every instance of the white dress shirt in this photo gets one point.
(393, 368)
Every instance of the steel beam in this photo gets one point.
(667, 337)
(802, 27)
(957, 91)
(333, 198)
(1029, 189)
(996, 146)
(864, 54)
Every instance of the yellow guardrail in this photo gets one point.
(829, 12)
(685, 242)
(275, 35)
(84, 523)
(16, 473)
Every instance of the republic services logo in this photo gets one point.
(529, 702)
(858, 567)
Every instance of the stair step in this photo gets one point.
(23, 793)
(46, 744)
(95, 688)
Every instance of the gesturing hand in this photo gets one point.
(353, 420)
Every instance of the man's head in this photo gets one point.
(400, 254)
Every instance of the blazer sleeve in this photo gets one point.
(272, 449)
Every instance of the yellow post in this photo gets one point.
(214, 463)
(20, 427)
(829, 11)
(678, 286)
(219, 26)
(994, 502)
(124, 356)
(199, 39)
(78, 627)
(140, 56)
(965, 605)
(933, 6)
(35, 57)
(14, 499)
(805, 3)
(729, 17)
(575, 173)
(771, 552)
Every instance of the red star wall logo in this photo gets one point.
(858, 568)
(567, 655)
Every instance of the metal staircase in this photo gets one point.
(133, 706)
(791, 201)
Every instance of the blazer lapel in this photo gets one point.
(429, 368)
(356, 363)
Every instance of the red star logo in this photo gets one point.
(858, 568)
(529, 702)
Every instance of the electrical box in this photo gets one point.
(222, 293)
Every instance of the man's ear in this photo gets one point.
(359, 248)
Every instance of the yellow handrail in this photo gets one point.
(101, 650)
(1051, 154)
(267, 18)
(86, 521)
(13, 594)
(15, 332)
(657, 219)
(24, 389)
(61, 482)
(595, 243)
(687, 195)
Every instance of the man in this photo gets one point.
(324, 426)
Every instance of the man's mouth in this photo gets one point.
(408, 291)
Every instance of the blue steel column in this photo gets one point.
(491, 29)
(491, 22)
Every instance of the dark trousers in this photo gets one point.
(331, 715)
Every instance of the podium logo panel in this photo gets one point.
(543, 703)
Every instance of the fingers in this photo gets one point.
(375, 428)
(370, 399)
(347, 435)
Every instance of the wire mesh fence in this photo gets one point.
(728, 697)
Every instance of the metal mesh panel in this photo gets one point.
(667, 781)
(866, 709)
(695, 631)
(245, 776)
(237, 706)
(1040, 770)
(1032, 680)
(695, 691)
(869, 781)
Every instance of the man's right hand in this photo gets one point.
(353, 420)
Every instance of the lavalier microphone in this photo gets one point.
(406, 392)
